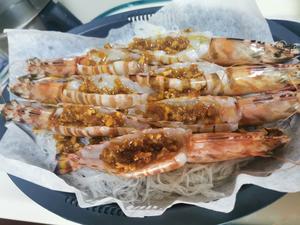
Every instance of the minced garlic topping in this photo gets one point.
(130, 155)
(181, 73)
(88, 86)
(188, 114)
(71, 144)
(170, 45)
(87, 116)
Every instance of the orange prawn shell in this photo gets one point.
(214, 147)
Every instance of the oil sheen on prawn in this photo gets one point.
(72, 120)
(102, 90)
(95, 61)
(199, 114)
(166, 49)
(204, 78)
(156, 151)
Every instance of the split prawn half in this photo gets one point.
(194, 46)
(166, 49)
(195, 79)
(155, 151)
(72, 120)
(95, 61)
(102, 90)
(219, 113)
(199, 114)
(204, 78)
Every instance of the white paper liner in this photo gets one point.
(228, 18)
(23, 158)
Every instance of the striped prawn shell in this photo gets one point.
(208, 84)
(38, 116)
(231, 81)
(194, 148)
(211, 81)
(249, 79)
(69, 67)
(121, 68)
(93, 131)
(67, 163)
(118, 101)
(114, 61)
(65, 90)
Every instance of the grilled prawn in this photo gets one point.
(102, 90)
(166, 49)
(69, 67)
(204, 78)
(219, 113)
(155, 151)
(195, 46)
(199, 114)
(176, 80)
(72, 120)
(95, 61)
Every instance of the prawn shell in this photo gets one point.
(121, 68)
(89, 156)
(216, 147)
(118, 101)
(39, 91)
(94, 131)
(261, 78)
(268, 107)
(56, 67)
(39, 116)
(29, 113)
(232, 51)
(159, 167)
